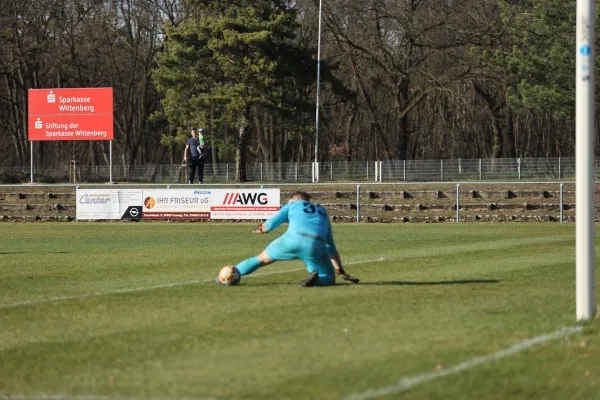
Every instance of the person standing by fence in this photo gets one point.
(196, 150)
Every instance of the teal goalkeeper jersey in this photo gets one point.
(305, 218)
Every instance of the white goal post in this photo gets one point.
(585, 168)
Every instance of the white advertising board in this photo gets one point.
(244, 203)
(176, 204)
(108, 204)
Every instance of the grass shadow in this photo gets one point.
(381, 283)
(31, 252)
(431, 283)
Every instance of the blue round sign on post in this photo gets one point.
(585, 50)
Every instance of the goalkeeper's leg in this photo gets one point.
(319, 275)
(279, 249)
(318, 264)
(249, 265)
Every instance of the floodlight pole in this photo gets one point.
(585, 138)
(316, 165)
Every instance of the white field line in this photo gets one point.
(401, 385)
(410, 381)
(43, 396)
(165, 285)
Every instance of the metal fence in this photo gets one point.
(458, 207)
(562, 168)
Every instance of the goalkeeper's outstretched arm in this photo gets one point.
(339, 269)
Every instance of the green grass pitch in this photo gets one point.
(130, 311)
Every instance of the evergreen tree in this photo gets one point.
(226, 61)
(538, 57)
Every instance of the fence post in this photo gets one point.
(519, 167)
(73, 171)
(261, 172)
(442, 169)
(317, 172)
(227, 172)
(380, 170)
(404, 169)
(367, 170)
(459, 166)
(561, 202)
(376, 172)
(559, 171)
(331, 169)
(480, 169)
(296, 173)
(357, 203)
(458, 202)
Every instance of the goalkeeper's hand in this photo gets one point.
(346, 277)
(259, 229)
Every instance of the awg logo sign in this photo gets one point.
(244, 203)
(246, 198)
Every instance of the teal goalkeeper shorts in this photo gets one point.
(314, 252)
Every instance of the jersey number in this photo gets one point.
(311, 209)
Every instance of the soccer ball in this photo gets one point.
(229, 276)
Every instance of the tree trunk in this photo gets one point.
(261, 133)
(402, 121)
(241, 154)
(348, 135)
(496, 139)
(510, 148)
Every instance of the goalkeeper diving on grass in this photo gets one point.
(308, 238)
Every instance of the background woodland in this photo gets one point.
(400, 79)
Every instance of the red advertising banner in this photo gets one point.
(70, 114)
(71, 127)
